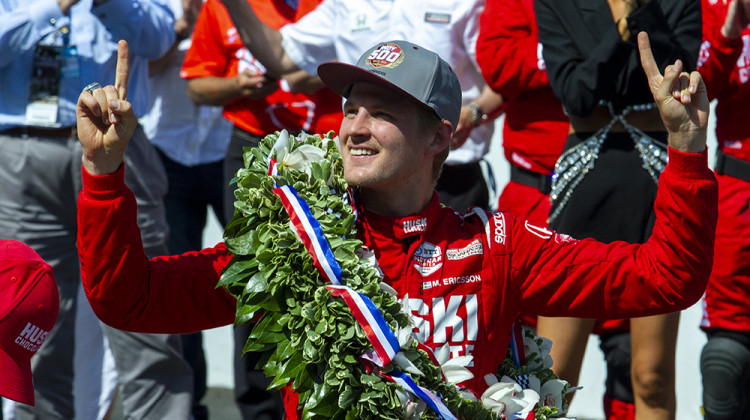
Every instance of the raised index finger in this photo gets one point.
(647, 57)
(123, 69)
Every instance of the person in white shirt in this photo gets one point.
(339, 30)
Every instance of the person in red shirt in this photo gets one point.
(535, 128)
(724, 64)
(397, 127)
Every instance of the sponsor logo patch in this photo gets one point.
(434, 17)
(520, 160)
(541, 232)
(386, 55)
(415, 225)
(428, 258)
(360, 23)
(474, 248)
(451, 320)
(498, 226)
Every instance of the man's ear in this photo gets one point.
(441, 138)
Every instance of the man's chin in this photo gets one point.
(361, 182)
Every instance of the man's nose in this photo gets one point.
(360, 124)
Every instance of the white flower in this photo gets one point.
(454, 368)
(368, 258)
(336, 140)
(551, 394)
(413, 409)
(402, 361)
(282, 146)
(404, 336)
(542, 359)
(300, 158)
(507, 397)
(466, 394)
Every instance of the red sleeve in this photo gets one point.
(207, 55)
(508, 51)
(718, 56)
(304, 7)
(127, 290)
(559, 276)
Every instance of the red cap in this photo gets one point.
(28, 310)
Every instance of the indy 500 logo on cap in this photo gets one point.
(386, 55)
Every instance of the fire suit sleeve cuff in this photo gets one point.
(104, 186)
(688, 166)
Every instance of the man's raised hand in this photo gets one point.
(106, 121)
(682, 100)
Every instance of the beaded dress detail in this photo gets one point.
(574, 164)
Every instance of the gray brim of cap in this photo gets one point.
(340, 77)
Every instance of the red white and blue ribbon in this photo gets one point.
(430, 353)
(517, 353)
(425, 395)
(378, 332)
(372, 322)
(516, 345)
(309, 231)
(273, 168)
(528, 416)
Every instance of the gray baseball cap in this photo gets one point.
(405, 67)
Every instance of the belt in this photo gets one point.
(531, 179)
(732, 166)
(29, 131)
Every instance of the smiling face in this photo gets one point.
(383, 145)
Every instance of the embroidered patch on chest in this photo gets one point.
(435, 17)
(473, 248)
(428, 259)
(359, 23)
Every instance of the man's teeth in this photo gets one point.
(362, 152)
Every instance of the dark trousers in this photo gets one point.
(192, 189)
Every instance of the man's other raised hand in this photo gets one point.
(682, 100)
(106, 121)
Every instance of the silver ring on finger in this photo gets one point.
(91, 87)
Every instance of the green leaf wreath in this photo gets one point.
(308, 338)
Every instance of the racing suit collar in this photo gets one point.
(406, 226)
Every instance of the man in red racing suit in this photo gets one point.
(467, 277)
(724, 64)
